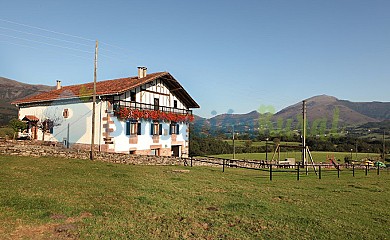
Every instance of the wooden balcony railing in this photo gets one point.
(117, 104)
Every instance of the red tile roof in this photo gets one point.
(31, 118)
(110, 87)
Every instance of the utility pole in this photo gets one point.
(304, 131)
(356, 149)
(234, 146)
(384, 147)
(94, 103)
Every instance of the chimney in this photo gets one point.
(142, 72)
(58, 86)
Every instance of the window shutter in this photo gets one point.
(139, 128)
(160, 129)
(177, 128)
(170, 129)
(151, 129)
(127, 128)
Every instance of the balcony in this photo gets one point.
(118, 104)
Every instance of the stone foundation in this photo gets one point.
(39, 149)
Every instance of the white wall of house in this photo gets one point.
(145, 140)
(79, 121)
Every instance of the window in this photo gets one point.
(156, 128)
(128, 128)
(115, 106)
(133, 128)
(174, 128)
(174, 103)
(139, 128)
(156, 104)
(65, 113)
(132, 96)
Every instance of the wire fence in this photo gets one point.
(298, 169)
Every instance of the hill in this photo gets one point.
(332, 110)
(323, 110)
(11, 90)
(223, 123)
(376, 110)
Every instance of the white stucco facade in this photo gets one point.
(72, 122)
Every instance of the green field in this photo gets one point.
(317, 156)
(241, 143)
(53, 198)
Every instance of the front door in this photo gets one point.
(175, 151)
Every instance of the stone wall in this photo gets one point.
(35, 148)
(40, 149)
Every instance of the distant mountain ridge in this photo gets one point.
(11, 90)
(377, 110)
(322, 108)
(330, 108)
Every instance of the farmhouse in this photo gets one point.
(148, 114)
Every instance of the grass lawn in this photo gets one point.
(53, 198)
(317, 156)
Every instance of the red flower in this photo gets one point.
(128, 113)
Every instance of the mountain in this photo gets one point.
(330, 109)
(224, 123)
(322, 111)
(11, 90)
(377, 110)
(248, 119)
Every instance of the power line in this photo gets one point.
(23, 45)
(61, 33)
(49, 44)
(47, 30)
(39, 35)
(103, 49)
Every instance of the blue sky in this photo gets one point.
(235, 55)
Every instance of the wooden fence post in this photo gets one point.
(223, 165)
(191, 161)
(319, 171)
(338, 172)
(353, 170)
(298, 171)
(366, 169)
(378, 169)
(270, 172)
(307, 169)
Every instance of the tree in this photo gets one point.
(51, 119)
(17, 125)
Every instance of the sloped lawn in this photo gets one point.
(53, 198)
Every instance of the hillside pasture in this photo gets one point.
(54, 198)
